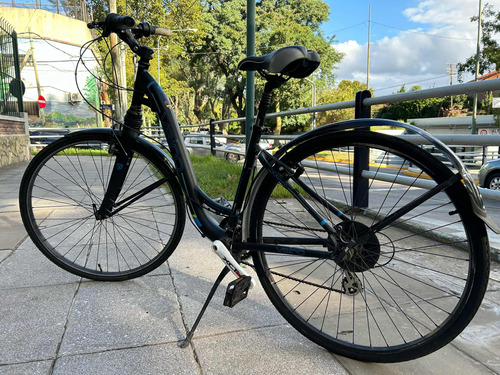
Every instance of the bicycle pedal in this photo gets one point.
(237, 291)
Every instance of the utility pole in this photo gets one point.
(451, 71)
(39, 90)
(478, 50)
(368, 56)
(250, 81)
(118, 59)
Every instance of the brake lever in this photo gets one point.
(142, 29)
(95, 24)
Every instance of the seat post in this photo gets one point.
(253, 149)
(273, 82)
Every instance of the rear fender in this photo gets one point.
(471, 187)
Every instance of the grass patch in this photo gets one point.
(220, 177)
(216, 176)
(72, 151)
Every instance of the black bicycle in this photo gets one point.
(365, 243)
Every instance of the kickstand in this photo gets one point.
(185, 343)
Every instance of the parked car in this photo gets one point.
(489, 175)
(46, 136)
(200, 145)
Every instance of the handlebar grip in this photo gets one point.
(117, 22)
(162, 31)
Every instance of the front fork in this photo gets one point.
(124, 155)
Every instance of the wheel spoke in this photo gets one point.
(69, 180)
(405, 266)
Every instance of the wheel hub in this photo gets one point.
(362, 256)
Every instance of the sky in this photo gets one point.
(412, 41)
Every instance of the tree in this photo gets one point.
(414, 108)
(279, 23)
(199, 69)
(490, 47)
(345, 91)
(179, 14)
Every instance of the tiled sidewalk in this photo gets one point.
(52, 322)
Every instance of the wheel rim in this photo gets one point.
(420, 287)
(495, 183)
(232, 157)
(62, 198)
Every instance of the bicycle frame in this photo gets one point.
(196, 198)
(148, 92)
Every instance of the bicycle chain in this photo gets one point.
(293, 226)
(298, 280)
(291, 277)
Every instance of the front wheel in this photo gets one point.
(62, 190)
(403, 291)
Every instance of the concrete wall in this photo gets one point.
(47, 24)
(14, 140)
(56, 42)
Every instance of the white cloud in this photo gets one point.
(418, 55)
(442, 12)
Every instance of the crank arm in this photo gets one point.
(221, 250)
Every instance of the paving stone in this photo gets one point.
(4, 254)
(29, 368)
(132, 327)
(29, 267)
(147, 360)
(447, 360)
(33, 321)
(276, 350)
(194, 269)
(133, 313)
(12, 231)
(481, 338)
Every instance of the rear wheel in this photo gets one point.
(63, 187)
(402, 291)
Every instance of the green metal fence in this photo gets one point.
(11, 86)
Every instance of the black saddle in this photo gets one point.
(292, 61)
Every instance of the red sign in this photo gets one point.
(41, 102)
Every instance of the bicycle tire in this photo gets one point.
(64, 185)
(413, 291)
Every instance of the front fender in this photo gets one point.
(162, 155)
(158, 151)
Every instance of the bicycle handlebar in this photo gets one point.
(114, 23)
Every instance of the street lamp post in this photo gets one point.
(313, 125)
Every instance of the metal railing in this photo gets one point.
(367, 101)
(76, 9)
(11, 86)
(472, 149)
(463, 145)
